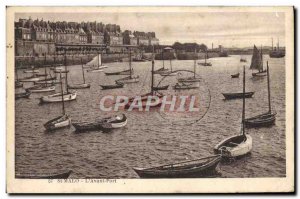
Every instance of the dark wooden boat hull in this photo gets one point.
(235, 75)
(191, 172)
(64, 175)
(22, 95)
(237, 95)
(106, 87)
(158, 88)
(89, 127)
(263, 120)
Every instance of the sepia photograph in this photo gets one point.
(150, 99)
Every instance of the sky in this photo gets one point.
(230, 29)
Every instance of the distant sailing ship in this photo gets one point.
(276, 53)
(257, 62)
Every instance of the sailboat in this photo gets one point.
(61, 121)
(96, 65)
(257, 62)
(42, 87)
(265, 119)
(18, 84)
(205, 62)
(162, 69)
(276, 53)
(57, 97)
(129, 79)
(80, 86)
(144, 98)
(191, 79)
(236, 145)
(169, 73)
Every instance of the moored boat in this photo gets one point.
(201, 167)
(235, 75)
(257, 63)
(30, 79)
(185, 86)
(158, 88)
(41, 89)
(80, 86)
(237, 95)
(236, 145)
(96, 65)
(124, 72)
(56, 175)
(130, 78)
(25, 94)
(114, 86)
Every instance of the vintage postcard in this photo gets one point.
(150, 99)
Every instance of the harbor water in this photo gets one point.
(150, 139)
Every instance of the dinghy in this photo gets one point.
(41, 89)
(124, 72)
(236, 145)
(25, 94)
(103, 124)
(59, 175)
(185, 86)
(80, 86)
(114, 86)
(264, 119)
(201, 167)
(96, 65)
(229, 96)
(235, 75)
(61, 121)
(158, 88)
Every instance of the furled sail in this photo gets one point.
(256, 62)
(94, 61)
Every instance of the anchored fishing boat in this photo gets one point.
(57, 175)
(201, 167)
(113, 86)
(80, 86)
(264, 119)
(96, 65)
(130, 78)
(61, 121)
(192, 78)
(107, 123)
(276, 53)
(205, 61)
(257, 63)
(236, 145)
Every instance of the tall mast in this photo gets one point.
(54, 63)
(98, 61)
(243, 115)
(152, 76)
(272, 44)
(205, 57)
(45, 68)
(277, 43)
(82, 70)
(269, 92)
(195, 65)
(162, 54)
(171, 64)
(62, 96)
(130, 63)
(261, 57)
(66, 79)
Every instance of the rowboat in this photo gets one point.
(243, 60)
(114, 86)
(235, 75)
(57, 97)
(62, 175)
(265, 119)
(158, 88)
(41, 89)
(237, 95)
(183, 86)
(103, 124)
(188, 169)
(25, 94)
(124, 72)
(30, 79)
(83, 85)
(259, 74)
(61, 121)
(236, 145)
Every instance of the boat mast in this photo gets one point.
(162, 54)
(130, 63)
(54, 62)
(98, 61)
(272, 44)
(62, 95)
(82, 71)
(45, 68)
(195, 65)
(269, 92)
(66, 79)
(261, 58)
(171, 64)
(243, 114)
(152, 71)
(277, 43)
(205, 57)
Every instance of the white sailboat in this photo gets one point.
(96, 65)
(236, 145)
(129, 79)
(61, 121)
(192, 78)
(57, 97)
